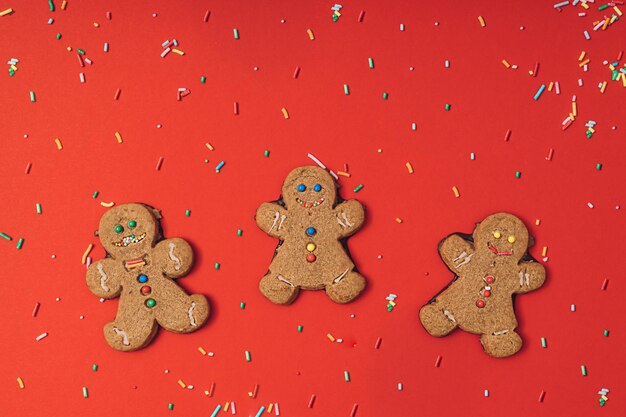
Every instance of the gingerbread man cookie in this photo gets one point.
(312, 229)
(140, 268)
(490, 267)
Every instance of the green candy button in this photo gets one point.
(150, 302)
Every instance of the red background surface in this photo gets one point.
(585, 245)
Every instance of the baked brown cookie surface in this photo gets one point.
(311, 226)
(490, 268)
(140, 268)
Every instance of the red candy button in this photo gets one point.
(486, 293)
(146, 290)
(480, 303)
(310, 257)
(490, 279)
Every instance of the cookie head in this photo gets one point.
(503, 235)
(309, 188)
(128, 231)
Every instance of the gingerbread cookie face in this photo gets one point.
(311, 227)
(489, 269)
(140, 268)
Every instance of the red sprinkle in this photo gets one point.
(438, 361)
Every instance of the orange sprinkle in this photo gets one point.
(344, 174)
(285, 113)
(409, 167)
(456, 191)
(506, 63)
(482, 21)
(330, 337)
(310, 33)
(118, 137)
(544, 252)
(182, 384)
(86, 254)
(398, 219)
(59, 144)
(208, 145)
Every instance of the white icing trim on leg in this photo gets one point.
(340, 222)
(174, 257)
(282, 219)
(103, 277)
(449, 316)
(466, 260)
(521, 279)
(192, 320)
(276, 216)
(345, 217)
(527, 276)
(500, 332)
(283, 279)
(340, 277)
(463, 254)
(124, 335)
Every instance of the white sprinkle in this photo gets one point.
(472, 156)
(413, 126)
(590, 204)
(573, 307)
(486, 393)
(400, 386)
(401, 27)
(165, 52)
(41, 336)
(82, 77)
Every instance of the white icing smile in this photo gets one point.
(127, 240)
(309, 204)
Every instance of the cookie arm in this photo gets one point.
(104, 278)
(532, 275)
(270, 218)
(174, 256)
(350, 216)
(456, 252)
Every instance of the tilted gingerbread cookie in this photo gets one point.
(311, 228)
(140, 268)
(490, 268)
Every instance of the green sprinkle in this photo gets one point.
(242, 305)
(239, 232)
(602, 402)
(248, 358)
(606, 333)
(58, 36)
(346, 89)
(38, 207)
(389, 308)
(203, 79)
(544, 342)
(300, 328)
(11, 72)
(448, 106)
(266, 153)
(583, 370)
(236, 33)
(95, 194)
(346, 376)
(603, 7)
(187, 213)
(94, 367)
(518, 174)
(217, 265)
(51, 5)
(370, 61)
(599, 166)
(170, 406)
(32, 97)
(5, 236)
(20, 242)
(385, 96)
(85, 393)
(80, 51)
(358, 188)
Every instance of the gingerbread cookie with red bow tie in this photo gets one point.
(490, 267)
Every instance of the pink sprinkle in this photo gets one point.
(36, 309)
(550, 153)
(109, 15)
(80, 60)
(438, 361)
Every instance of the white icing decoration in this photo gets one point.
(521, 278)
(124, 335)
(500, 332)
(340, 277)
(527, 276)
(276, 216)
(282, 219)
(192, 320)
(103, 277)
(174, 257)
(340, 223)
(283, 279)
(449, 316)
(345, 217)
(460, 256)
(466, 259)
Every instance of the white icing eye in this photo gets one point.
(497, 235)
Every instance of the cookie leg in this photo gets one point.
(344, 289)
(500, 345)
(437, 320)
(133, 328)
(182, 313)
(278, 289)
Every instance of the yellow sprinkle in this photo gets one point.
(456, 191)
(206, 392)
(330, 337)
(617, 10)
(19, 380)
(582, 56)
(344, 174)
(337, 13)
(59, 144)
(611, 67)
(603, 87)
(574, 109)
(623, 78)
(571, 116)
(119, 137)
(482, 21)
(270, 407)
(285, 113)
(506, 63)
(13, 67)
(550, 86)
(64, 4)
(107, 205)
(311, 35)
(409, 167)
(96, 24)
(86, 254)
(202, 351)
(537, 222)
(226, 405)
(182, 384)
(6, 12)
(605, 398)
(544, 251)
(250, 394)
(591, 129)
(69, 49)
(585, 62)
(585, 5)
(178, 51)
(208, 145)
(392, 303)
(398, 219)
